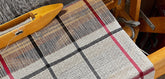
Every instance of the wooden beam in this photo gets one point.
(135, 9)
(158, 60)
(110, 3)
(159, 23)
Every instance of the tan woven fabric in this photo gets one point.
(83, 42)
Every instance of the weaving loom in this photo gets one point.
(83, 42)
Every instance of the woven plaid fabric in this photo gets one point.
(83, 42)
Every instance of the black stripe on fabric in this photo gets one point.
(65, 29)
(73, 53)
(100, 39)
(64, 58)
(42, 57)
(51, 64)
(78, 48)
(89, 64)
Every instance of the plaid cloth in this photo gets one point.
(83, 42)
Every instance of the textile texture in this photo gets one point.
(10, 9)
(83, 42)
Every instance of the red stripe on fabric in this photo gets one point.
(6, 68)
(148, 71)
(145, 73)
(114, 39)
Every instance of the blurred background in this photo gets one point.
(150, 42)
